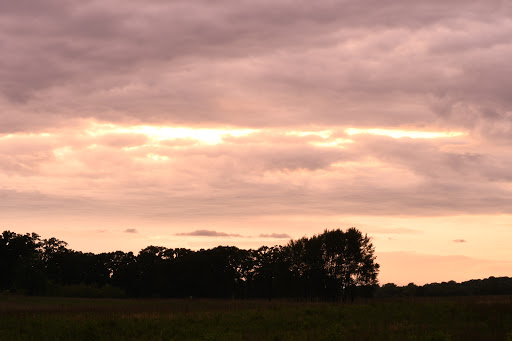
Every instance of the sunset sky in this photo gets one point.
(201, 123)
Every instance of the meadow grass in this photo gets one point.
(43, 318)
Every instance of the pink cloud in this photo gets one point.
(208, 233)
(275, 235)
(277, 67)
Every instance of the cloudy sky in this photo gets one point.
(200, 123)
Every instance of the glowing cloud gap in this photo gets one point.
(404, 133)
(324, 133)
(207, 136)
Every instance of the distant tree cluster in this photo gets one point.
(334, 265)
(488, 286)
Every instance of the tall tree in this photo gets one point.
(333, 264)
(359, 268)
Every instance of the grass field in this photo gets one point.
(43, 318)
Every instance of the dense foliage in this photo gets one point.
(333, 265)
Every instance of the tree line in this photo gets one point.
(335, 265)
(474, 287)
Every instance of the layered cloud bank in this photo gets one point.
(167, 120)
(265, 63)
(209, 172)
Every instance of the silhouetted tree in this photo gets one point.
(265, 275)
(123, 272)
(331, 265)
(21, 265)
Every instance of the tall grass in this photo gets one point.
(32, 318)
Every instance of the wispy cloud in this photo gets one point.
(208, 233)
(131, 231)
(275, 235)
(460, 241)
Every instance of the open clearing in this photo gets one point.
(46, 318)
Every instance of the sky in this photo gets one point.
(201, 123)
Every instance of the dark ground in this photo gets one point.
(46, 318)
